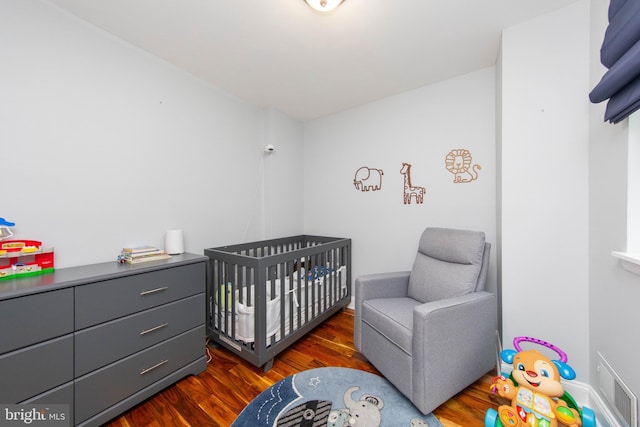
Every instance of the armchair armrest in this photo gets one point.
(453, 346)
(380, 285)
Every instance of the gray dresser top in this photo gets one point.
(72, 276)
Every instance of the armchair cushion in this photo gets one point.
(447, 264)
(392, 318)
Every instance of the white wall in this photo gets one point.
(419, 127)
(284, 176)
(544, 170)
(498, 246)
(105, 146)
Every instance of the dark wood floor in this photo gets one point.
(217, 395)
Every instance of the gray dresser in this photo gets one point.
(102, 338)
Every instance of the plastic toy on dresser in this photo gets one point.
(534, 389)
(22, 257)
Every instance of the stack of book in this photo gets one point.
(142, 254)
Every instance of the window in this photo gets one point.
(631, 257)
(633, 186)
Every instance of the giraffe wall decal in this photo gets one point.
(409, 190)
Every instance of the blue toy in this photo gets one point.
(318, 272)
(5, 233)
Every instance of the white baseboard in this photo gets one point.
(604, 416)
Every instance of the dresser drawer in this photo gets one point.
(31, 319)
(107, 300)
(36, 369)
(62, 395)
(130, 334)
(102, 388)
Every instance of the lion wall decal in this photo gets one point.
(458, 162)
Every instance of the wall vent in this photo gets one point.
(617, 394)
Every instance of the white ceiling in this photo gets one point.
(282, 54)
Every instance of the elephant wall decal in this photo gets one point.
(367, 178)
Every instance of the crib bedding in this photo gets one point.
(295, 311)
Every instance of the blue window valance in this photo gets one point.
(620, 53)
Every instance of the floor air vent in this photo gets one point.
(617, 394)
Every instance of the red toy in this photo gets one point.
(24, 258)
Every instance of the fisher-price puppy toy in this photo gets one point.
(538, 398)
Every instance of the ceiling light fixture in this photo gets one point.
(324, 5)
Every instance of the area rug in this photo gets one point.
(335, 397)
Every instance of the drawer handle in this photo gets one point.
(153, 291)
(157, 365)
(155, 328)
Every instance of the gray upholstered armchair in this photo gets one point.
(431, 331)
